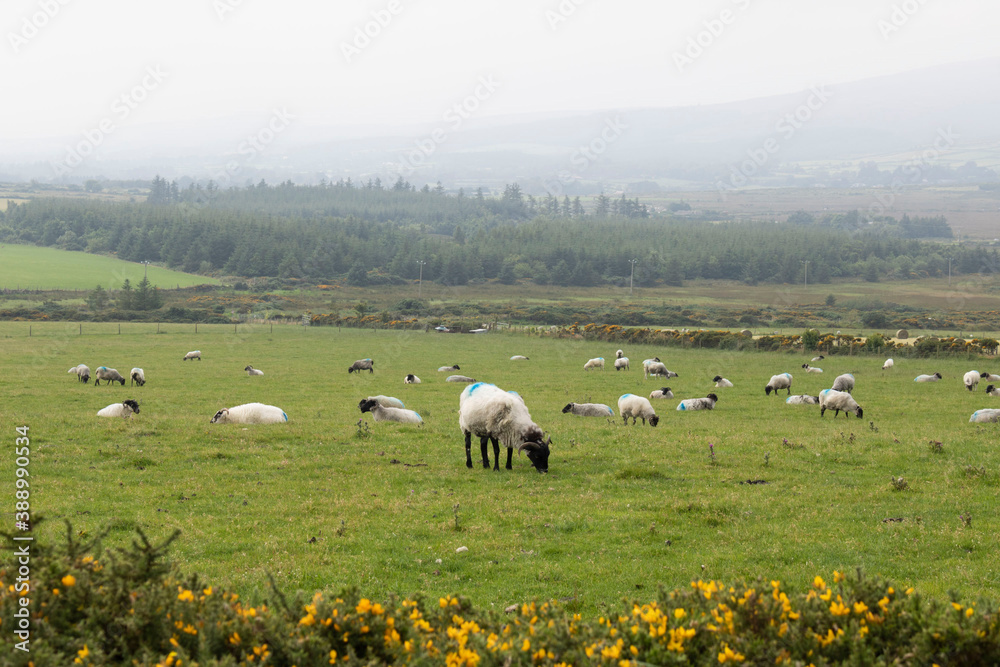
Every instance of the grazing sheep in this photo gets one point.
(137, 376)
(989, 377)
(383, 413)
(831, 399)
(721, 381)
(889, 363)
(459, 378)
(362, 365)
(194, 354)
(250, 413)
(411, 379)
(125, 409)
(494, 415)
(519, 357)
(621, 363)
(707, 403)
(657, 369)
(108, 374)
(819, 358)
(596, 362)
(663, 392)
(843, 382)
(448, 369)
(802, 399)
(82, 373)
(985, 416)
(811, 369)
(971, 380)
(253, 371)
(589, 410)
(386, 401)
(782, 381)
(630, 405)
(993, 391)
(928, 378)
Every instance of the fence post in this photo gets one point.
(157, 327)
(119, 328)
(196, 327)
(81, 328)
(29, 331)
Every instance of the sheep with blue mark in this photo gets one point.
(780, 381)
(637, 407)
(691, 404)
(494, 415)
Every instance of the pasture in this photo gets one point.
(324, 501)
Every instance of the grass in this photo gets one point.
(35, 268)
(323, 502)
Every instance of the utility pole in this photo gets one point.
(631, 275)
(949, 272)
(145, 269)
(420, 280)
(806, 262)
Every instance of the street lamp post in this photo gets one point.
(806, 263)
(631, 275)
(420, 280)
(145, 268)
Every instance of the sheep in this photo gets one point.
(811, 369)
(82, 373)
(193, 354)
(971, 380)
(387, 401)
(663, 392)
(843, 382)
(928, 378)
(589, 410)
(125, 409)
(646, 362)
(137, 376)
(707, 403)
(657, 369)
(447, 369)
(494, 415)
(819, 358)
(253, 371)
(802, 399)
(109, 374)
(985, 416)
(619, 354)
(782, 381)
(831, 399)
(986, 376)
(721, 381)
(362, 365)
(250, 413)
(411, 379)
(596, 362)
(459, 378)
(383, 413)
(630, 405)
(993, 391)
(889, 363)
(621, 363)
(519, 357)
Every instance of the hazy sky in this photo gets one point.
(67, 64)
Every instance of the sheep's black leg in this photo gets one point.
(483, 448)
(510, 450)
(496, 455)
(468, 449)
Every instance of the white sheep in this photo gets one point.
(459, 378)
(193, 354)
(831, 399)
(137, 376)
(619, 354)
(843, 382)
(928, 378)
(596, 362)
(125, 409)
(657, 369)
(662, 392)
(589, 410)
(108, 374)
(889, 363)
(494, 415)
(721, 381)
(993, 391)
(448, 369)
(986, 415)
(989, 377)
(802, 399)
(383, 413)
(411, 379)
(253, 371)
(519, 357)
(82, 373)
(689, 404)
(621, 363)
(971, 380)
(387, 401)
(819, 358)
(811, 369)
(781, 381)
(637, 407)
(250, 413)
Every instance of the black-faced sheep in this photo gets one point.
(621, 363)
(411, 379)
(137, 376)
(690, 404)
(449, 369)
(589, 410)
(251, 371)
(662, 392)
(125, 409)
(596, 362)
(387, 401)
(250, 413)
(781, 381)
(637, 407)
(989, 377)
(383, 413)
(721, 381)
(928, 378)
(194, 354)
(811, 369)
(362, 365)
(494, 415)
(802, 399)
(82, 373)
(831, 399)
(657, 369)
(992, 390)
(889, 363)
(108, 374)
(971, 380)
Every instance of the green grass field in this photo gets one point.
(32, 267)
(322, 503)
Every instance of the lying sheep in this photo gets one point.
(137, 376)
(662, 392)
(831, 399)
(589, 410)
(689, 404)
(621, 363)
(386, 401)
(125, 409)
(459, 378)
(657, 369)
(253, 371)
(411, 379)
(383, 413)
(82, 373)
(843, 382)
(986, 376)
(889, 363)
(250, 413)
(819, 358)
(993, 391)
(194, 354)
(596, 362)
(721, 381)
(985, 416)
(782, 381)
(928, 378)
(971, 380)
(448, 369)
(362, 365)
(802, 399)
(519, 357)
(494, 415)
(637, 407)
(811, 369)
(108, 374)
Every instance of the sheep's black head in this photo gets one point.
(713, 397)
(367, 404)
(537, 451)
(569, 406)
(351, 369)
(665, 390)
(989, 390)
(456, 367)
(860, 413)
(129, 403)
(939, 376)
(122, 380)
(768, 389)
(654, 420)
(716, 378)
(221, 414)
(248, 368)
(410, 377)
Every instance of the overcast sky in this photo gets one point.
(190, 60)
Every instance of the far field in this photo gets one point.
(332, 499)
